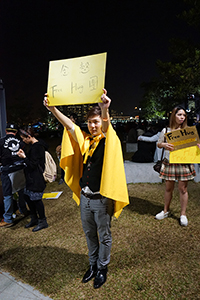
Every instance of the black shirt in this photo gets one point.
(93, 168)
(35, 161)
(9, 146)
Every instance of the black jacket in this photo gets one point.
(35, 161)
(9, 146)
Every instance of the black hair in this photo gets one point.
(94, 111)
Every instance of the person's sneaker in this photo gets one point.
(162, 215)
(183, 220)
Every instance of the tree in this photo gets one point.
(178, 77)
(192, 15)
(182, 73)
(157, 100)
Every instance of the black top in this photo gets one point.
(35, 161)
(145, 152)
(93, 168)
(9, 146)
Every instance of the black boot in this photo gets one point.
(33, 222)
(42, 223)
(100, 278)
(91, 272)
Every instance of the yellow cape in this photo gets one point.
(113, 179)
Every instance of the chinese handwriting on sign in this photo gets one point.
(84, 67)
(76, 81)
(93, 83)
(64, 70)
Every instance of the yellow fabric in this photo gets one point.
(72, 163)
(113, 180)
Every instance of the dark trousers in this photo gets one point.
(36, 207)
(22, 203)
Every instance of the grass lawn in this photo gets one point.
(150, 259)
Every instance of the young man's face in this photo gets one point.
(94, 125)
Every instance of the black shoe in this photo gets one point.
(41, 224)
(100, 278)
(91, 272)
(32, 223)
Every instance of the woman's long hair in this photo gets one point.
(27, 132)
(172, 121)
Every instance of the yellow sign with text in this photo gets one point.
(189, 155)
(76, 81)
(183, 138)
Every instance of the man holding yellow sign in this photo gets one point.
(94, 170)
(178, 136)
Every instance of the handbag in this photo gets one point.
(157, 166)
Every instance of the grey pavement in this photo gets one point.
(144, 172)
(140, 172)
(11, 289)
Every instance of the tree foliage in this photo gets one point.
(182, 73)
(192, 15)
(178, 77)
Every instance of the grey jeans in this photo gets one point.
(96, 221)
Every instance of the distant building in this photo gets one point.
(80, 110)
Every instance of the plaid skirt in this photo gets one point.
(181, 172)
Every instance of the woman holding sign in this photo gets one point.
(175, 172)
(91, 171)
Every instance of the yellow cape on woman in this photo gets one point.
(113, 180)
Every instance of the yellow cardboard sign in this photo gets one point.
(51, 195)
(183, 138)
(77, 80)
(189, 155)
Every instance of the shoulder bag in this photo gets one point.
(157, 166)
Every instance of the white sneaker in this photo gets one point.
(162, 215)
(183, 220)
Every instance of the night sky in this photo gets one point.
(133, 33)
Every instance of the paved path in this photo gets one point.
(144, 172)
(140, 172)
(11, 289)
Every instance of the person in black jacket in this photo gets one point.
(35, 183)
(12, 176)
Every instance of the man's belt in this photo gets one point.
(92, 196)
